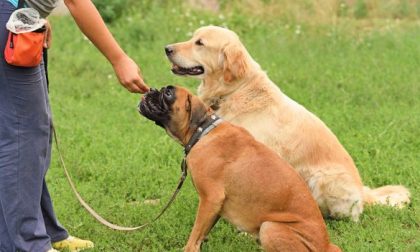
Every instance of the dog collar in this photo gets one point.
(201, 131)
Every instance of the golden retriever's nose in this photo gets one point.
(169, 50)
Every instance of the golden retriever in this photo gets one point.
(236, 87)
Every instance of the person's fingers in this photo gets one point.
(46, 39)
(130, 86)
(143, 88)
(48, 36)
(135, 89)
(144, 85)
(140, 82)
(49, 39)
(129, 76)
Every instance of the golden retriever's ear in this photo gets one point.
(235, 63)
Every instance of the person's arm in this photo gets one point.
(91, 24)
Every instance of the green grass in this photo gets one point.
(361, 78)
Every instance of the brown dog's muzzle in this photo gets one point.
(156, 105)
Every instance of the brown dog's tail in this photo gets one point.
(391, 195)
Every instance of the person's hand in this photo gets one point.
(48, 35)
(129, 75)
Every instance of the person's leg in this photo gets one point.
(5, 240)
(24, 137)
(6, 243)
(54, 228)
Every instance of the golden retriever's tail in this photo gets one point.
(391, 195)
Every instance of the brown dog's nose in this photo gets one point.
(169, 50)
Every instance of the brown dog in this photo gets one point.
(238, 178)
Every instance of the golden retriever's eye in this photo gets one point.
(199, 42)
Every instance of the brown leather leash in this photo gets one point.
(99, 217)
(209, 124)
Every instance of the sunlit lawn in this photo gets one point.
(364, 83)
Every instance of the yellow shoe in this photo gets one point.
(73, 244)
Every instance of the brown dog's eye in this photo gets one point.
(199, 42)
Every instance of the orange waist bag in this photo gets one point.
(25, 49)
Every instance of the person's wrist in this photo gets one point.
(115, 60)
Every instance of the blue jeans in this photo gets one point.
(27, 219)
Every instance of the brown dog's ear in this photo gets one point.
(235, 64)
(197, 109)
(188, 104)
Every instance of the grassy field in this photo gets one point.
(360, 76)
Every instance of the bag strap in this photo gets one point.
(21, 4)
